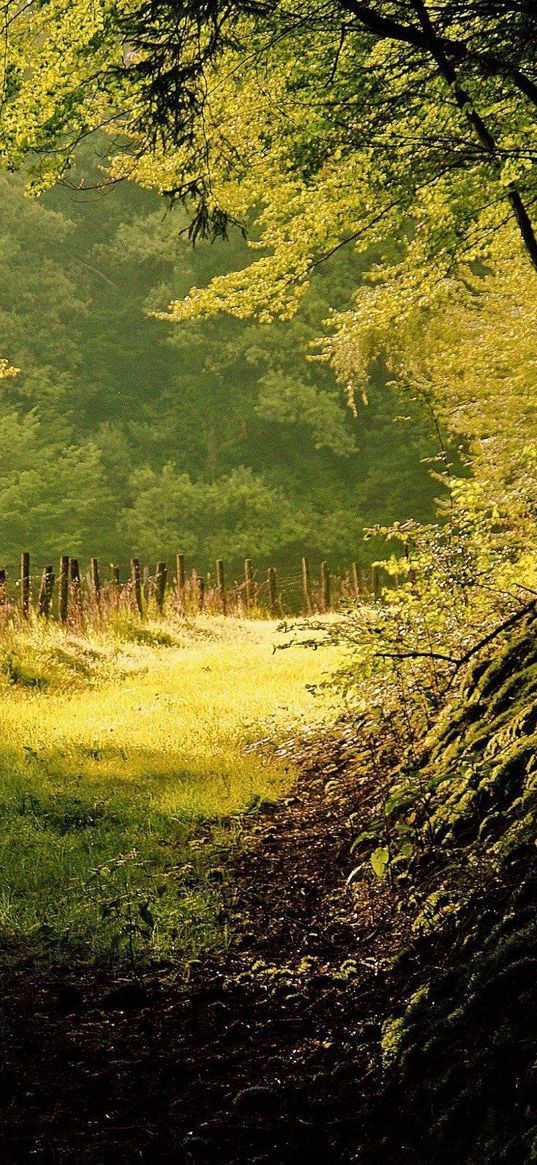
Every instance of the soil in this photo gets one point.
(272, 1053)
(256, 1058)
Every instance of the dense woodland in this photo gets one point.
(124, 435)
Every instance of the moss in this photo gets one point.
(456, 727)
(492, 827)
(460, 1062)
(474, 674)
(519, 652)
(513, 689)
(460, 1059)
(505, 782)
(391, 1039)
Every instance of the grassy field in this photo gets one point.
(125, 774)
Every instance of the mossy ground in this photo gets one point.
(460, 1055)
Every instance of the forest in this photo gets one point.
(219, 438)
(268, 582)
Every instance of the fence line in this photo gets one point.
(72, 596)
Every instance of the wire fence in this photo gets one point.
(74, 595)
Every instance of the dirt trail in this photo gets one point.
(255, 1060)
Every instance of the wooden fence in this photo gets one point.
(72, 596)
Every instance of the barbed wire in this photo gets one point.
(73, 591)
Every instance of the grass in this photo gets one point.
(125, 774)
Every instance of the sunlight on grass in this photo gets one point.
(174, 724)
(114, 753)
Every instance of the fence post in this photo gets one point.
(146, 585)
(248, 583)
(25, 584)
(306, 585)
(76, 585)
(181, 580)
(95, 580)
(2, 586)
(201, 592)
(357, 582)
(137, 584)
(115, 580)
(63, 589)
(46, 591)
(160, 585)
(220, 582)
(273, 590)
(325, 587)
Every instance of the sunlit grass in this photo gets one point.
(114, 754)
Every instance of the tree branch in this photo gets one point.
(475, 121)
(468, 655)
(510, 622)
(390, 28)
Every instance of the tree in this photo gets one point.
(53, 494)
(211, 400)
(476, 357)
(333, 122)
(237, 516)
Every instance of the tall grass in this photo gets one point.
(125, 776)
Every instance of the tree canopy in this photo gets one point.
(124, 434)
(399, 132)
(331, 121)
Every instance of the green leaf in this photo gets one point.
(379, 861)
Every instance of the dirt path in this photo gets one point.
(255, 1060)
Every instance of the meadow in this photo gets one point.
(128, 763)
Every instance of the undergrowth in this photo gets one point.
(441, 684)
(460, 1046)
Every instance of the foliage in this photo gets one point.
(30, 510)
(471, 356)
(106, 398)
(355, 125)
(448, 588)
(236, 515)
(352, 121)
